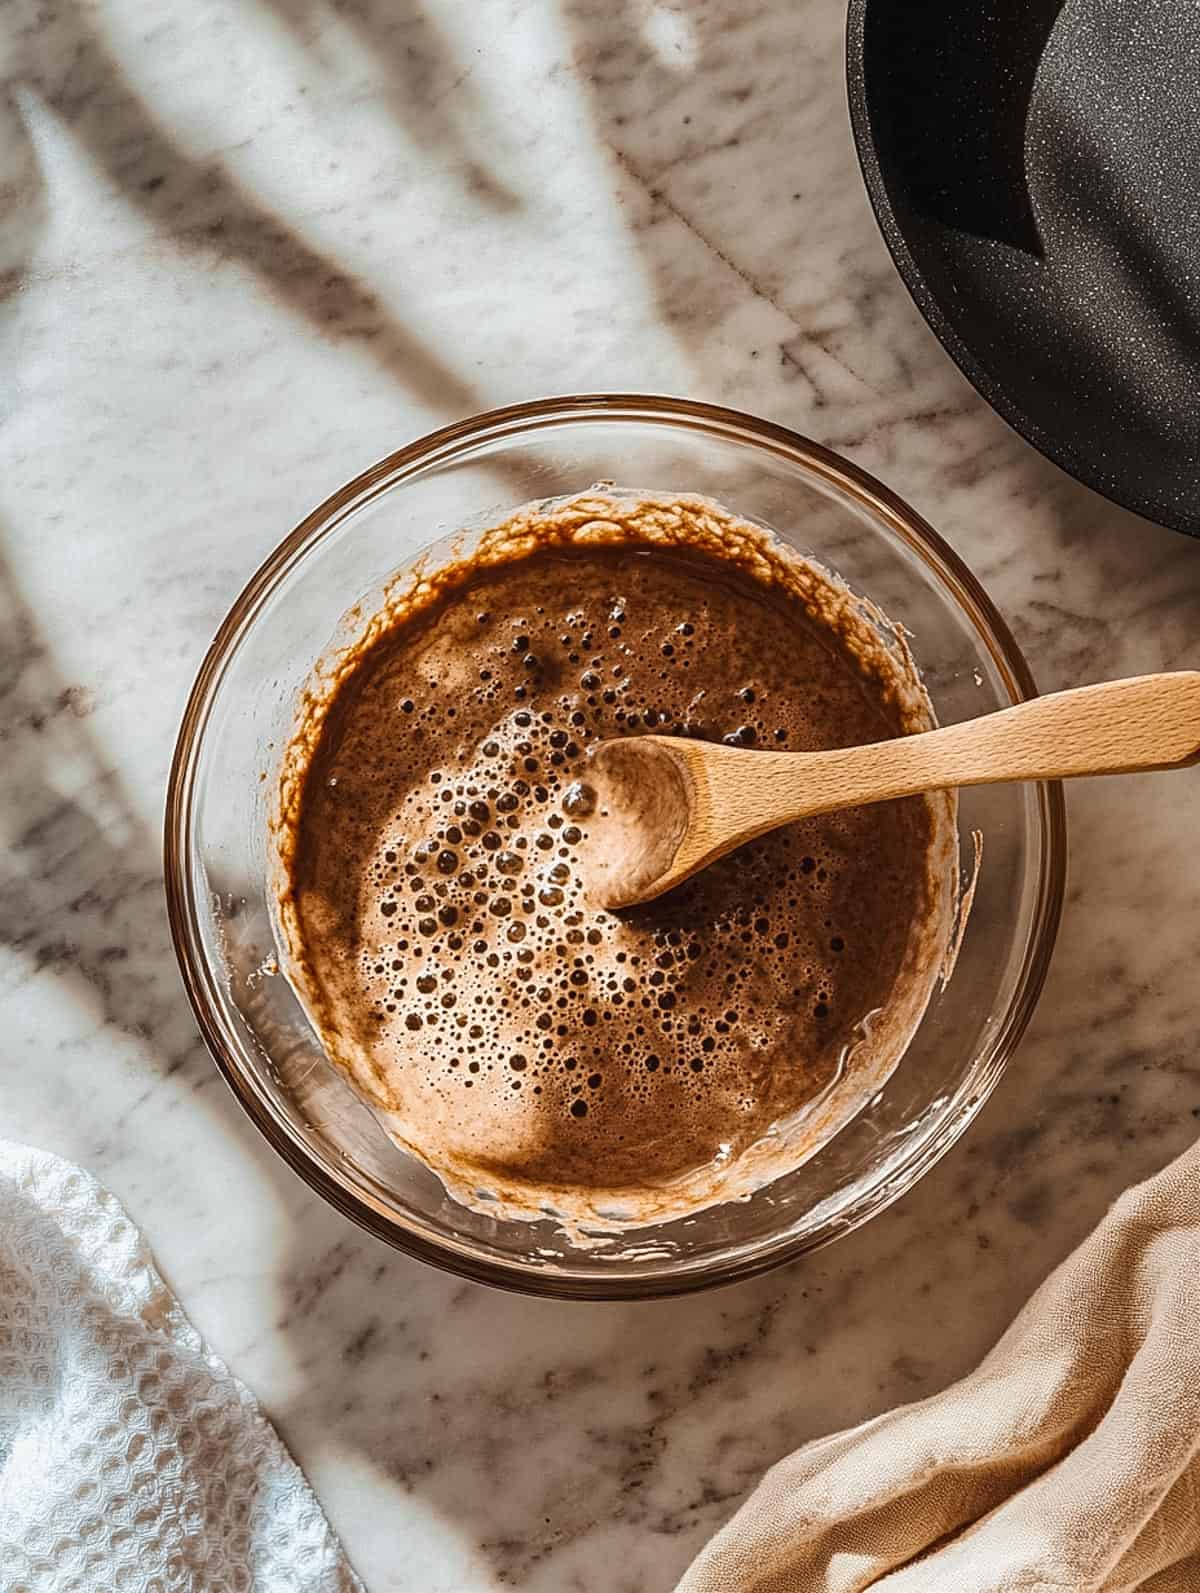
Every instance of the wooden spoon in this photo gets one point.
(665, 806)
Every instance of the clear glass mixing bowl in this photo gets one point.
(241, 711)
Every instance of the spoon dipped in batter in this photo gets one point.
(665, 807)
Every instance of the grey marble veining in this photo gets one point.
(248, 247)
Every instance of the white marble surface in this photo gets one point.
(250, 245)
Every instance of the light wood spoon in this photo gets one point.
(664, 806)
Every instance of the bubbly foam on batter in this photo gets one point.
(518, 1038)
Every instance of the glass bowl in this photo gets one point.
(241, 712)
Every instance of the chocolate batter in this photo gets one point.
(518, 1038)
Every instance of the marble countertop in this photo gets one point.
(249, 246)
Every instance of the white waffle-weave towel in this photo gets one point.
(131, 1460)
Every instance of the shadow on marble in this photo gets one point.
(23, 208)
(81, 895)
(714, 124)
(427, 87)
(63, 61)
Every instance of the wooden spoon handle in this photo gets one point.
(1117, 727)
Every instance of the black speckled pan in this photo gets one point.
(1035, 168)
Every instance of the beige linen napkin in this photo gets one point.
(1069, 1460)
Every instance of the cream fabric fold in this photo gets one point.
(1069, 1460)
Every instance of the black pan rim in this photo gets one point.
(993, 392)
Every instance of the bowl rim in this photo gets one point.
(444, 442)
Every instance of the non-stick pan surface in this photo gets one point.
(1035, 168)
